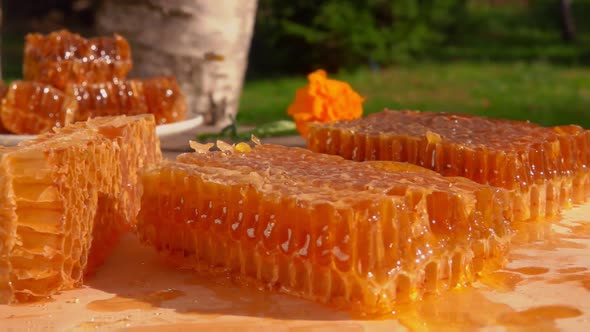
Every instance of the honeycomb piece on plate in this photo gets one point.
(66, 197)
(3, 90)
(546, 167)
(33, 108)
(164, 99)
(63, 57)
(108, 99)
(360, 235)
(160, 96)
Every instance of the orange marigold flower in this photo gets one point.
(324, 100)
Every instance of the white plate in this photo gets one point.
(171, 129)
(163, 131)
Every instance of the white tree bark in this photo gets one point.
(1, 19)
(204, 43)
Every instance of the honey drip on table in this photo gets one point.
(121, 303)
(468, 309)
(541, 317)
(574, 269)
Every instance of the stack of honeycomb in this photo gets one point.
(160, 96)
(66, 74)
(65, 198)
(546, 168)
(363, 235)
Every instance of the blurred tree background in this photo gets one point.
(336, 34)
(523, 59)
(299, 36)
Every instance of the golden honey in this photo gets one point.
(362, 235)
(65, 199)
(547, 168)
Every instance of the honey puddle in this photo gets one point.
(120, 303)
(574, 269)
(469, 308)
(541, 317)
(530, 270)
(223, 299)
(501, 280)
(581, 279)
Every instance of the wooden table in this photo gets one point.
(545, 287)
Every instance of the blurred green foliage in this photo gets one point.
(299, 36)
(302, 35)
(520, 33)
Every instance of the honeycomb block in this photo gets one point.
(360, 235)
(135, 146)
(63, 57)
(160, 96)
(66, 197)
(546, 167)
(33, 108)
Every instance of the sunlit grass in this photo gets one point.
(541, 93)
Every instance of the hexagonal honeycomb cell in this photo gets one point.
(546, 167)
(34, 108)
(63, 57)
(65, 199)
(360, 235)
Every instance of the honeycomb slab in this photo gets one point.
(65, 198)
(360, 235)
(546, 167)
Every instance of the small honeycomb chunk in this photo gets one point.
(164, 99)
(3, 90)
(361, 235)
(63, 57)
(33, 108)
(160, 96)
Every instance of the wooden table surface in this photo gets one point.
(544, 287)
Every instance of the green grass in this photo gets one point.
(542, 93)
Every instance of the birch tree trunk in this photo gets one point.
(1, 33)
(203, 43)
